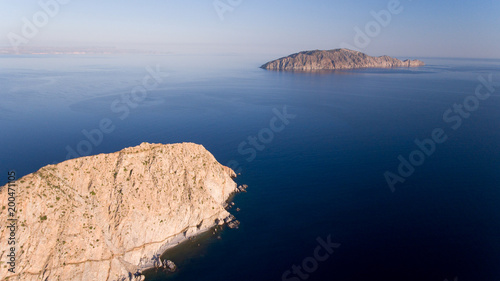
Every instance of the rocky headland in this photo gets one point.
(110, 216)
(334, 60)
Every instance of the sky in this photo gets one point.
(420, 28)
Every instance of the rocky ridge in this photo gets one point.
(109, 216)
(336, 59)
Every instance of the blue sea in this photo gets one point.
(371, 174)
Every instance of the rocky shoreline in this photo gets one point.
(155, 262)
(111, 216)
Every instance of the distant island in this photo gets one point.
(336, 59)
(110, 216)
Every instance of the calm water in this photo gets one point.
(321, 175)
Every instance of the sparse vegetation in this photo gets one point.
(156, 185)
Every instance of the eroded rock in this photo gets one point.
(106, 217)
(336, 59)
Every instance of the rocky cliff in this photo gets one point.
(336, 59)
(105, 217)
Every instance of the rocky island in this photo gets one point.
(110, 216)
(336, 59)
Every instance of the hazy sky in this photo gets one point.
(450, 28)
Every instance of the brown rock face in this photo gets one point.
(336, 59)
(104, 217)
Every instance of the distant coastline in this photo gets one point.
(73, 51)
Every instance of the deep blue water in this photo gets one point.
(321, 175)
